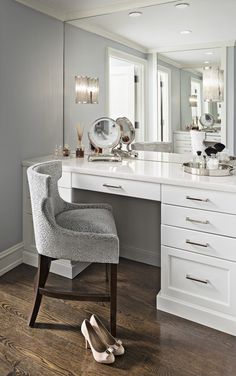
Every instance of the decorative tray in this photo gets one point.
(104, 158)
(195, 169)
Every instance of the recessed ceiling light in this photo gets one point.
(209, 53)
(186, 32)
(135, 14)
(207, 67)
(182, 5)
(206, 62)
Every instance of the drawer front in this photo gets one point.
(212, 138)
(122, 187)
(183, 144)
(199, 279)
(199, 242)
(182, 136)
(224, 202)
(183, 150)
(199, 220)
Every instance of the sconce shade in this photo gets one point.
(213, 85)
(86, 89)
(193, 100)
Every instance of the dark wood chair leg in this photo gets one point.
(113, 295)
(107, 272)
(44, 264)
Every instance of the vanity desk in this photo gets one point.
(198, 229)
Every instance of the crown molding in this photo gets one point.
(189, 47)
(109, 35)
(36, 5)
(114, 8)
(164, 59)
(73, 15)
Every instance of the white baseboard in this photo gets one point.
(11, 258)
(201, 315)
(64, 268)
(140, 255)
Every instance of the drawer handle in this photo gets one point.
(205, 281)
(198, 244)
(197, 199)
(112, 186)
(197, 221)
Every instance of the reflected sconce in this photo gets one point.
(213, 85)
(193, 100)
(86, 90)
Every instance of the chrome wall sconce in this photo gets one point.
(86, 90)
(193, 100)
(213, 84)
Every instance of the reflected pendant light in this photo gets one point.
(213, 85)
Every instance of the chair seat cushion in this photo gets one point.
(98, 221)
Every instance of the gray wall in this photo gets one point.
(30, 105)
(86, 55)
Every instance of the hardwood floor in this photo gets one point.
(156, 343)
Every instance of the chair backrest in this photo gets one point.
(164, 147)
(45, 199)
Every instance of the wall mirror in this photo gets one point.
(151, 62)
(190, 86)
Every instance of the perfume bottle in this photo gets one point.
(80, 151)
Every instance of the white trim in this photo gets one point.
(168, 71)
(113, 8)
(191, 47)
(204, 316)
(118, 54)
(11, 258)
(109, 35)
(167, 60)
(38, 6)
(64, 268)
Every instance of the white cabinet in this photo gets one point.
(198, 256)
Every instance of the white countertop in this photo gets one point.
(165, 168)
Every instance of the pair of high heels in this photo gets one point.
(103, 345)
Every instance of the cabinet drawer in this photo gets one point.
(199, 242)
(122, 187)
(200, 220)
(183, 150)
(199, 279)
(224, 202)
(182, 136)
(183, 144)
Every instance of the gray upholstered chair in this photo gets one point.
(76, 232)
(164, 147)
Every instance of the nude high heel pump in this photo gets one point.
(115, 344)
(101, 352)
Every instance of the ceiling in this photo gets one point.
(71, 9)
(194, 58)
(158, 29)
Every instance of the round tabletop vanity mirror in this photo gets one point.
(207, 120)
(127, 130)
(104, 133)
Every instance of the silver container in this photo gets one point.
(195, 169)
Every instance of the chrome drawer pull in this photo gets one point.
(112, 186)
(197, 221)
(197, 199)
(198, 244)
(205, 281)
